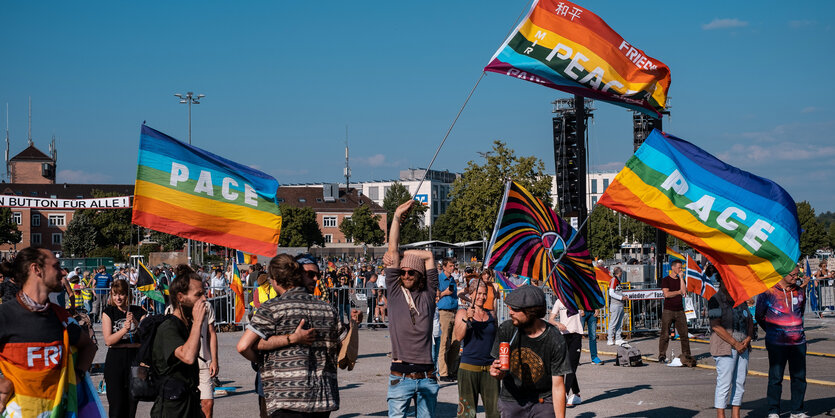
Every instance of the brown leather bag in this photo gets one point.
(350, 348)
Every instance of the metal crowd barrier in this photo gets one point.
(640, 315)
(821, 296)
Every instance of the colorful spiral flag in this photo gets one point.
(529, 239)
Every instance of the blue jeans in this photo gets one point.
(344, 312)
(436, 345)
(591, 323)
(400, 393)
(778, 355)
(730, 379)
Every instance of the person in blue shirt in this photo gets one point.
(447, 308)
(102, 281)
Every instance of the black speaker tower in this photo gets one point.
(642, 126)
(570, 157)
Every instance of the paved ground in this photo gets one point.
(649, 391)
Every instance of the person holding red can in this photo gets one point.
(533, 383)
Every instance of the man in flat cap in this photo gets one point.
(412, 282)
(533, 387)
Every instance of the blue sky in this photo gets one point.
(283, 79)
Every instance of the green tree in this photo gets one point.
(411, 230)
(813, 236)
(832, 235)
(79, 240)
(168, 242)
(363, 227)
(603, 233)
(476, 195)
(299, 228)
(113, 226)
(9, 234)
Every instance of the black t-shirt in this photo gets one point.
(533, 361)
(117, 319)
(342, 295)
(8, 290)
(672, 284)
(20, 325)
(171, 334)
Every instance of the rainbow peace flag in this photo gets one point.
(45, 381)
(238, 287)
(602, 275)
(744, 224)
(675, 255)
(696, 280)
(568, 48)
(245, 258)
(192, 193)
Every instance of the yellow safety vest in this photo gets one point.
(265, 293)
(86, 292)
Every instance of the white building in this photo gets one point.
(434, 192)
(596, 184)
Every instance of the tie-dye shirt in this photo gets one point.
(780, 313)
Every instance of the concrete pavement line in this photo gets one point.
(707, 366)
(759, 347)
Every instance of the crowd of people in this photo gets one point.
(443, 325)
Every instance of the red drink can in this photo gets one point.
(504, 356)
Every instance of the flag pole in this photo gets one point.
(437, 151)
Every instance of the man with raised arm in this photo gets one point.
(412, 281)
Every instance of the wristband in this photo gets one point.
(288, 339)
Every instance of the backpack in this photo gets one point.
(629, 357)
(144, 380)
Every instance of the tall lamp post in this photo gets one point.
(189, 98)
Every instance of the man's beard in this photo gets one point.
(529, 322)
(187, 311)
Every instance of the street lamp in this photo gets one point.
(189, 98)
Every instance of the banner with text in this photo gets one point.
(566, 47)
(644, 294)
(120, 202)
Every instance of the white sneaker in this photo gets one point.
(689, 335)
(799, 415)
(610, 342)
(620, 342)
(573, 400)
(773, 415)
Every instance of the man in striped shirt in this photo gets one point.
(295, 340)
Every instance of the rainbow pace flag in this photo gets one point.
(696, 280)
(186, 191)
(675, 254)
(568, 48)
(745, 225)
(45, 380)
(244, 258)
(602, 275)
(238, 287)
(529, 239)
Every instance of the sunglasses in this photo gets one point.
(413, 273)
(312, 274)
